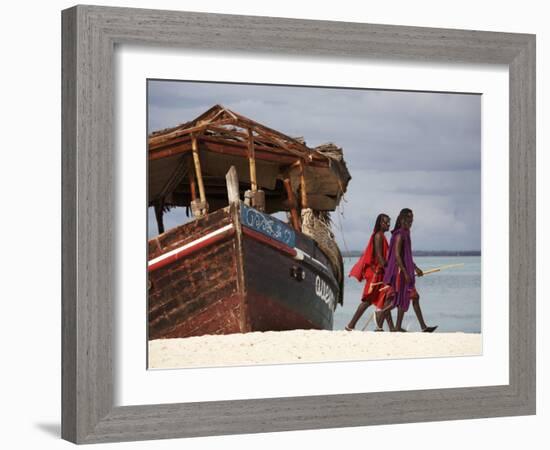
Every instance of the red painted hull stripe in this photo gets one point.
(192, 247)
(271, 242)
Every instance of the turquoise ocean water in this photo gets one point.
(450, 299)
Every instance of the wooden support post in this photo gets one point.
(252, 161)
(232, 181)
(303, 188)
(192, 182)
(159, 211)
(199, 208)
(293, 205)
(255, 197)
(198, 172)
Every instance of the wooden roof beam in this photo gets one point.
(157, 141)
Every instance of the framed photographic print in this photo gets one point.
(285, 270)
(246, 200)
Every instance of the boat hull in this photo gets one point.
(236, 271)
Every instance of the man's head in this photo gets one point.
(382, 223)
(405, 219)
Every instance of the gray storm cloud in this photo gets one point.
(404, 149)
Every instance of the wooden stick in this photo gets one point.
(198, 172)
(369, 320)
(437, 269)
(192, 183)
(376, 284)
(252, 161)
(427, 272)
(303, 190)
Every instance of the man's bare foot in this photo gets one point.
(399, 330)
(429, 329)
(349, 328)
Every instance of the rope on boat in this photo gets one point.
(317, 226)
(340, 227)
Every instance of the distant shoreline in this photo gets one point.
(355, 253)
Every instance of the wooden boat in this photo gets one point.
(235, 268)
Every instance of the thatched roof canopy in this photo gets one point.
(224, 138)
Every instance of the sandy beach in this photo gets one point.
(301, 346)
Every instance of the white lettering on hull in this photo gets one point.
(324, 292)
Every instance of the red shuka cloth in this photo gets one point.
(368, 268)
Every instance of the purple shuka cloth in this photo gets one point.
(392, 274)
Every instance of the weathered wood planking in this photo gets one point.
(183, 296)
(182, 290)
(184, 234)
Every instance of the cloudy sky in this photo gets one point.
(403, 149)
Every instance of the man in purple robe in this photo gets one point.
(399, 276)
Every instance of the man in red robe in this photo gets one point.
(370, 267)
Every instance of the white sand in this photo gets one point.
(300, 346)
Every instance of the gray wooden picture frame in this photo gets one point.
(90, 34)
